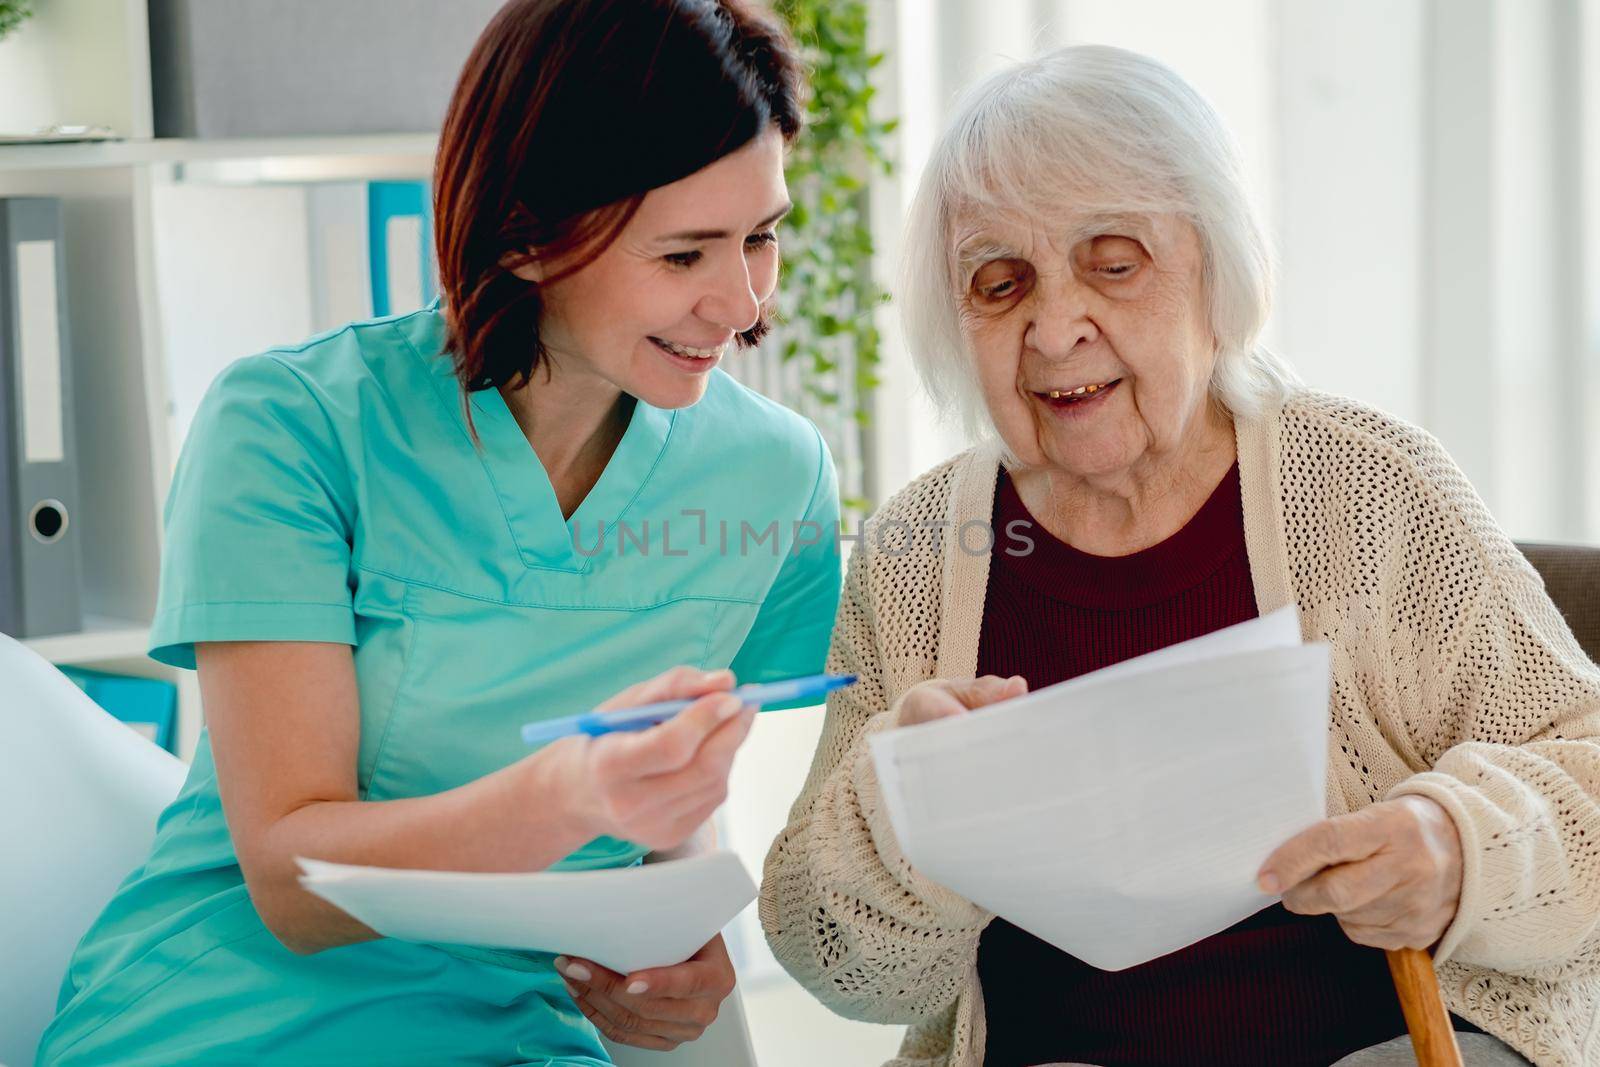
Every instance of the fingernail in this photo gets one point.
(1269, 884)
(572, 990)
(638, 987)
(728, 708)
(722, 674)
(574, 970)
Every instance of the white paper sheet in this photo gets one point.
(1122, 815)
(627, 919)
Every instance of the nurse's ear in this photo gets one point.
(525, 265)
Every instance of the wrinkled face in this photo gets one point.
(1090, 336)
(659, 308)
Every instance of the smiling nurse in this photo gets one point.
(371, 558)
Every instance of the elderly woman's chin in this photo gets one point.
(1104, 442)
(1088, 438)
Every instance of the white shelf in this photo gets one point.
(406, 149)
(99, 641)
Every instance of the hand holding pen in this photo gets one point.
(655, 787)
(651, 764)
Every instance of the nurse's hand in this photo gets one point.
(656, 1009)
(657, 786)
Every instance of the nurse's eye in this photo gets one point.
(761, 240)
(682, 259)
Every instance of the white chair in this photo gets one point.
(79, 797)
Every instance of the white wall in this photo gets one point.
(1586, 392)
(1349, 83)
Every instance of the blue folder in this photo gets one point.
(387, 200)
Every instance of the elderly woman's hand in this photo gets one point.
(1390, 873)
(942, 697)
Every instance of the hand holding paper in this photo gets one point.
(1125, 814)
(943, 698)
(658, 1008)
(1391, 873)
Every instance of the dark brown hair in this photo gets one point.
(567, 112)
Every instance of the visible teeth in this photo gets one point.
(1057, 394)
(685, 350)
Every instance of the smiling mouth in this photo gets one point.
(1082, 392)
(688, 351)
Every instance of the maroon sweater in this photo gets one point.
(1277, 988)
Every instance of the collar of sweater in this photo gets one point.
(965, 575)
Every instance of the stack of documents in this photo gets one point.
(1124, 814)
(627, 919)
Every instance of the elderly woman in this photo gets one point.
(1088, 280)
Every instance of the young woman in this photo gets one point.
(391, 546)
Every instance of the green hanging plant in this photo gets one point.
(828, 300)
(13, 13)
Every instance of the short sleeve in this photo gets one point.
(258, 522)
(789, 638)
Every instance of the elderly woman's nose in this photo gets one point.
(1061, 321)
(732, 300)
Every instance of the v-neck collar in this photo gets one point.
(544, 538)
(966, 574)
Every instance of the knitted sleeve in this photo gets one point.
(1524, 792)
(1504, 707)
(842, 908)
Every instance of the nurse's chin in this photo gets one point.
(669, 395)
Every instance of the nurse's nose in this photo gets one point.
(731, 302)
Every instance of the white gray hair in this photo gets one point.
(1106, 131)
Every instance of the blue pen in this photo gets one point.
(595, 723)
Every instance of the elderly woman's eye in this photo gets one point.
(996, 281)
(1113, 257)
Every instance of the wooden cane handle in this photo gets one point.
(1432, 1036)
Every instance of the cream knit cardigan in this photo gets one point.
(1453, 677)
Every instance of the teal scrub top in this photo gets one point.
(332, 492)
